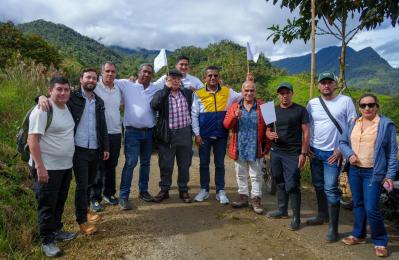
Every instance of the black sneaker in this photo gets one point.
(125, 204)
(111, 200)
(276, 214)
(64, 235)
(96, 206)
(146, 196)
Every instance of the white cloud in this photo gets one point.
(172, 24)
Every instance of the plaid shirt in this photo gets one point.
(179, 116)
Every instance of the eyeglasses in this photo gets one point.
(369, 105)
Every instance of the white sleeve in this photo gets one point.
(37, 122)
(195, 115)
(160, 82)
(235, 96)
(351, 111)
(198, 83)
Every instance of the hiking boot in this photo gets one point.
(202, 195)
(241, 201)
(184, 196)
(51, 250)
(257, 205)
(222, 198)
(276, 214)
(64, 235)
(111, 200)
(87, 228)
(96, 206)
(146, 196)
(162, 195)
(92, 217)
(125, 204)
(322, 210)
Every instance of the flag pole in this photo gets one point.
(247, 66)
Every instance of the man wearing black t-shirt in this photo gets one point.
(290, 140)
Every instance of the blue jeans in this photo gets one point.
(366, 197)
(219, 151)
(137, 143)
(325, 175)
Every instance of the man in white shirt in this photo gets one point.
(139, 121)
(324, 153)
(52, 151)
(188, 81)
(110, 93)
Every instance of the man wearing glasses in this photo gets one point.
(210, 104)
(330, 115)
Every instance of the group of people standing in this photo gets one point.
(86, 132)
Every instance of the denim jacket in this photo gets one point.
(385, 150)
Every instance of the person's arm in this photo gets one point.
(195, 110)
(160, 82)
(159, 98)
(34, 149)
(232, 115)
(235, 96)
(391, 152)
(304, 146)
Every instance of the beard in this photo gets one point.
(89, 87)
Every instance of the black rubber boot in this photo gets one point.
(296, 211)
(332, 234)
(282, 204)
(322, 210)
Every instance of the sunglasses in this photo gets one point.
(369, 105)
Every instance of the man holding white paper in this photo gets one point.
(289, 137)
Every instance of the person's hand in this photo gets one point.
(198, 140)
(133, 78)
(335, 157)
(353, 159)
(44, 104)
(250, 77)
(238, 113)
(388, 185)
(42, 174)
(272, 135)
(310, 153)
(301, 161)
(106, 156)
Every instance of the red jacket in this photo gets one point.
(230, 122)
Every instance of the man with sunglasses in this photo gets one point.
(210, 104)
(330, 115)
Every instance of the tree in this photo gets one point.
(334, 14)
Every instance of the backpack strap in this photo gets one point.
(330, 115)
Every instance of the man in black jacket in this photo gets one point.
(91, 144)
(173, 134)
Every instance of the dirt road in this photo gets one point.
(208, 230)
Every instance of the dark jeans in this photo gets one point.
(180, 146)
(366, 198)
(137, 143)
(85, 163)
(219, 151)
(325, 175)
(285, 171)
(51, 197)
(105, 179)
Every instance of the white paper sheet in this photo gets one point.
(268, 112)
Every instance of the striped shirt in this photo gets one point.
(179, 116)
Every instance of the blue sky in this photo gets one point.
(155, 24)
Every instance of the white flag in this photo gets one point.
(250, 54)
(160, 60)
(268, 112)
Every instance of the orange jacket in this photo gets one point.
(230, 122)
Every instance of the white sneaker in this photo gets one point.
(202, 195)
(222, 198)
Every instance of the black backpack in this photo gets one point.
(22, 135)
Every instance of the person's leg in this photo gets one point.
(166, 161)
(204, 155)
(242, 169)
(372, 192)
(92, 171)
(219, 151)
(81, 171)
(255, 173)
(359, 213)
(111, 163)
(62, 197)
(282, 195)
(184, 152)
(98, 184)
(145, 160)
(132, 150)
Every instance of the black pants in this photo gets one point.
(180, 146)
(285, 171)
(51, 198)
(85, 163)
(105, 178)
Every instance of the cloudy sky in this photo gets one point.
(155, 24)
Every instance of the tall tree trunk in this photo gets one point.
(312, 63)
(341, 82)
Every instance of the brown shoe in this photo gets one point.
(162, 195)
(92, 217)
(240, 202)
(351, 240)
(257, 205)
(87, 228)
(184, 196)
(381, 251)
